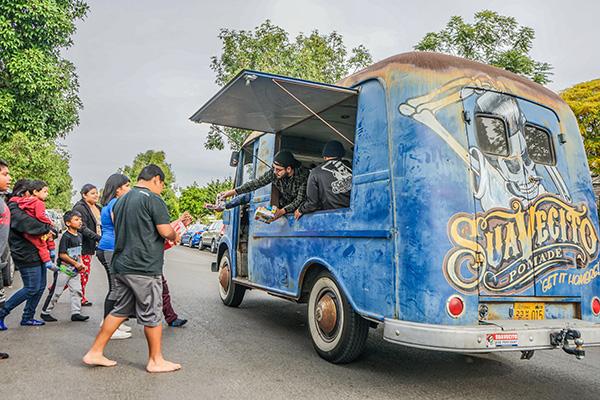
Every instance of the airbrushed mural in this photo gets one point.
(524, 225)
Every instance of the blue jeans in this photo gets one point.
(34, 283)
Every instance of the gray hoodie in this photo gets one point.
(4, 228)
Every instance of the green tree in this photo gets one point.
(584, 100)
(316, 57)
(38, 87)
(492, 39)
(193, 197)
(158, 158)
(44, 160)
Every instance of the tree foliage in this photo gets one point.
(34, 159)
(492, 39)
(268, 48)
(194, 197)
(158, 158)
(584, 100)
(38, 87)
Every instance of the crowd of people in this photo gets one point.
(128, 230)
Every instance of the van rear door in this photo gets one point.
(535, 234)
(499, 183)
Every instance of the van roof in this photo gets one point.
(454, 67)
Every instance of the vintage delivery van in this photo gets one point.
(472, 225)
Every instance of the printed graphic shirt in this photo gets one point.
(292, 190)
(71, 245)
(328, 187)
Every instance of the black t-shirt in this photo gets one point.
(71, 245)
(139, 248)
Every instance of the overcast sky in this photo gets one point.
(144, 65)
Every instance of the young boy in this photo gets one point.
(35, 207)
(69, 264)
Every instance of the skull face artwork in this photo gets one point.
(503, 170)
(498, 157)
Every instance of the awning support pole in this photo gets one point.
(312, 112)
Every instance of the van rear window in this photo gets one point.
(492, 136)
(539, 145)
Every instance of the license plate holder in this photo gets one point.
(529, 311)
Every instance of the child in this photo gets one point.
(69, 264)
(35, 207)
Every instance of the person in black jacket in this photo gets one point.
(90, 231)
(27, 260)
(328, 184)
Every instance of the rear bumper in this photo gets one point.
(502, 335)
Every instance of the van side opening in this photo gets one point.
(307, 138)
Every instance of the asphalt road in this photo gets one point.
(262, 351)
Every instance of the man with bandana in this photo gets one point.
(287, 175)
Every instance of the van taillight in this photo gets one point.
(596, 306)
(455, 306)
(222, 230)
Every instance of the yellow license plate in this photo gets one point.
(529, 311)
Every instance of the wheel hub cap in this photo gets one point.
(224, 278)
(326, 314)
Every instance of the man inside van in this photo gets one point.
(287, 175)
(328, 184)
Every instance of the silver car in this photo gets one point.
(212, 236)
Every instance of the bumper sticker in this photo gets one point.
(502, 340)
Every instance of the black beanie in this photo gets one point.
(334, 149)
(285, 159)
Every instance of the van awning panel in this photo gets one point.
(259, 101)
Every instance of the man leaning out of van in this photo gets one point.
(328, 184)
(287, 175)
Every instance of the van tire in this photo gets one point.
(213, 247)
(234, 294)
(346, 340)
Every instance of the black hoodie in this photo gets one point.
(89, 228)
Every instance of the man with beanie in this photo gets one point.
(287, 175)
(328, 184)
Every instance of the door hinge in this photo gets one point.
(466, 117)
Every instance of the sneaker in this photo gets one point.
(48, 317)
(79, 317)
(3, 326)
(124, 328)
(178, 323)
(120, 335)
(3, 356)
(33, 322)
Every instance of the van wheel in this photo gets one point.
(213, 246)
(230, 292)
(338, 333)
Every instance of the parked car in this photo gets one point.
(56, 216)
(191, 237)
(212, 236)
(7, 269)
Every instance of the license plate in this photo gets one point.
(529, 311)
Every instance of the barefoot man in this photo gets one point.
(141, 227)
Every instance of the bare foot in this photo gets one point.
(162, 366)
(99, 360)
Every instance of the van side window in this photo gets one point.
(492, 135)
(539, 145)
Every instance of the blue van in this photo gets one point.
(472, 225)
